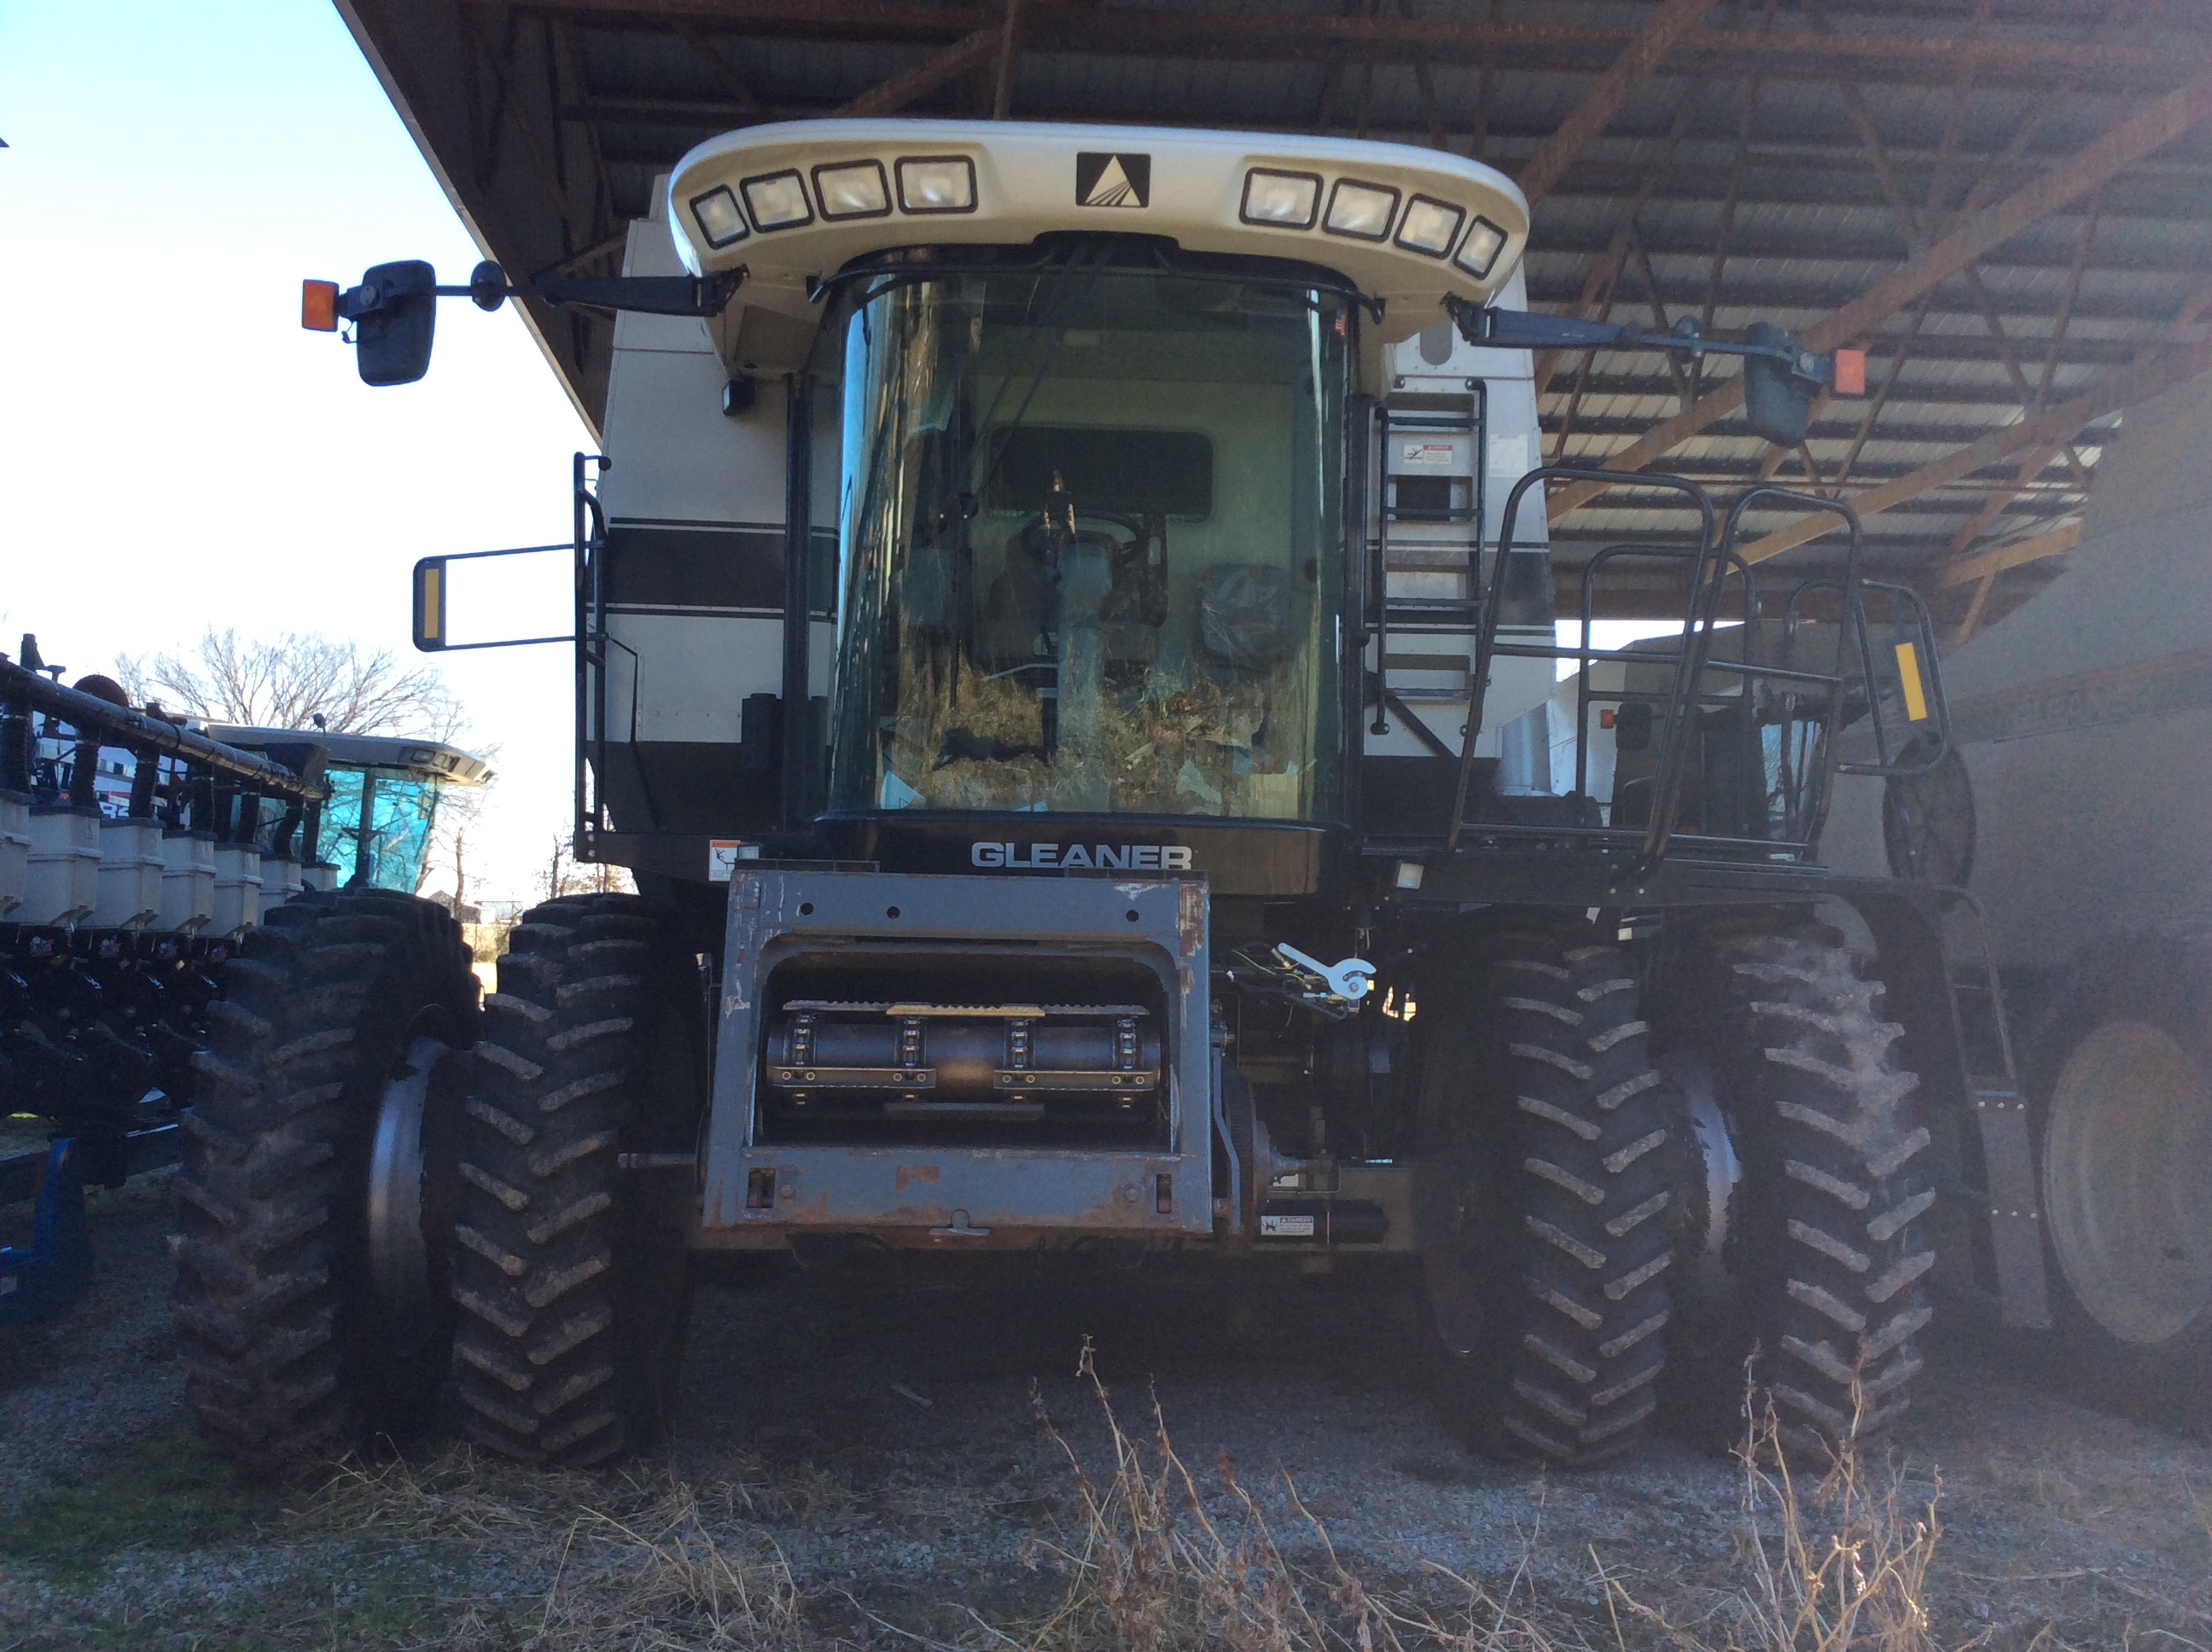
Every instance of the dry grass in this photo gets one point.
(1158, 1558)
(1164, 1564)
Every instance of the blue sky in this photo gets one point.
(178, 452)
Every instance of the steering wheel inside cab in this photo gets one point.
(1051, 578)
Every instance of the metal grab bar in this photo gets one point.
(1703, 606)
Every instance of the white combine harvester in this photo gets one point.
(1050, 642)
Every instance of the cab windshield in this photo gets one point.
(1089, 540)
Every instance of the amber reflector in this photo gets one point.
(319, 306)
(1851, 373)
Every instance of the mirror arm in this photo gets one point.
(1527, 330)
(704, 295)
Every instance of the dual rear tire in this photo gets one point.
(1568, 1193)
(360, 1218)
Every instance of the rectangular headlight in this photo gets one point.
(1431, 226)
(778, 201)
(717, 216)
(936, 183)
(1478, 254)
(854, 190)
(1287, 199)
(1364, 211)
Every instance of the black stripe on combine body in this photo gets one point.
(677, 566)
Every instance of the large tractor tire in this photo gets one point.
(1544, 1200)
(312, 1302)
(568, 1269)
(1827, 1249)
(2120, 1097)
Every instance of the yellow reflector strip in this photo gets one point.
(1908, 674)
(434, 610)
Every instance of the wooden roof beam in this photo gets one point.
(970, 52)
(1636, 65)
(1985, 564)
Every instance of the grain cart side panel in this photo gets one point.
(958, 952)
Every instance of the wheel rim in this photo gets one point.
(399, 1260)
(2128, 1181)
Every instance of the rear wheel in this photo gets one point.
(1826, 1246)
(311, 1300)
(1544, 1230)
(569, 1270)
(2121, 1088)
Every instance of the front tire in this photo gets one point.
(1546, 1243)
(569, 1270)
(291, 1354)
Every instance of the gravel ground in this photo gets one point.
(879, 1432)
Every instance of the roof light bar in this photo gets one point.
(854, 190)
(1431, 226)
(936, 183)
(718, 217)
(1362, 211)
(1479, 252)
(1287, 200)
(778, 201)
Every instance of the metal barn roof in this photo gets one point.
(2007, 203)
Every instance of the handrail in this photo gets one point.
(1672, 748)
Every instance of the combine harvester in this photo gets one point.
(136, 853)
(1056, 639)
(2073, 807)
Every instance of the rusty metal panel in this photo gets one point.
(775, 916)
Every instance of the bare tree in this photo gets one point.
(290, 681)
(566, 875)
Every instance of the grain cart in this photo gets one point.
(1060, 628)
(137, 854)
(2072, 810)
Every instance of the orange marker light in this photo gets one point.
(1851, 373)
(319, 306)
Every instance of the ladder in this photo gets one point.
(1427, 580)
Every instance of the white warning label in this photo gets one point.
(1286, 1227)
(1425, 456)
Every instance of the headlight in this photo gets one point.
(778, 201)
(1479, 254)
(936, 183)
(1364, 211)
(717, 216)
(1431, 226)
(1285, 198)
(854, 190)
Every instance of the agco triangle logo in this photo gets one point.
(1113, 180)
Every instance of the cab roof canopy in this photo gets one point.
(792, 202)
(2008, 202)
(420, 758)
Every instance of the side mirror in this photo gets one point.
(1778, 394)
(488, 599)
(393, 324)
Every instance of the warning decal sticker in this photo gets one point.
(1113, 180)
